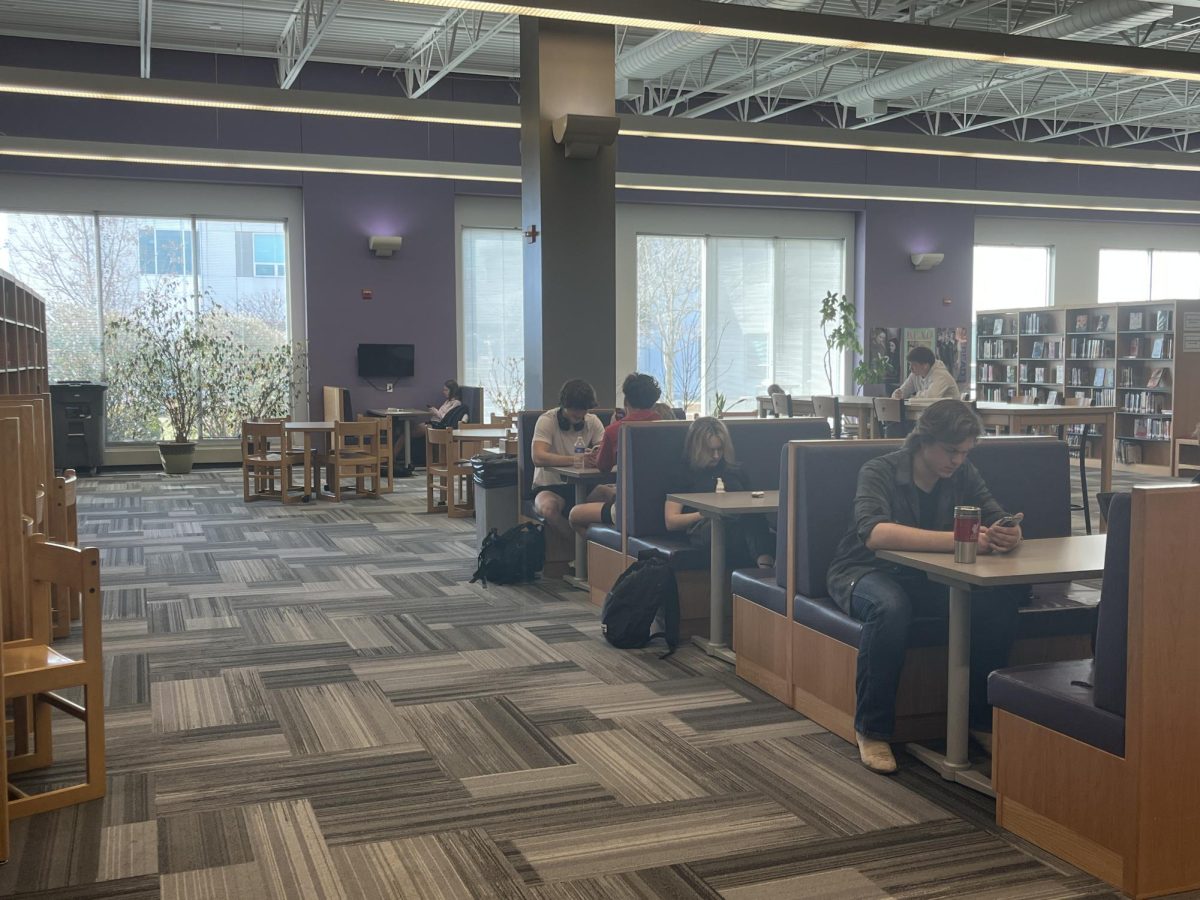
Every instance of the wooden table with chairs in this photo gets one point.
(407, 417)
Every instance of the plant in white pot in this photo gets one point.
(166, 364)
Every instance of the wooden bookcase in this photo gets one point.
(22, 339)
(1129, 355)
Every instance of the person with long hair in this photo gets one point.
(905, 501)
(444, 416)
(708, 455)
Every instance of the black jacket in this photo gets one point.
(886, 493)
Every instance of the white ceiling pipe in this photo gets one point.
(669, 50)
(1088, 21)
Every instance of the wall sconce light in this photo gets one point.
(384, 245)
(923, 262)
(583, 136)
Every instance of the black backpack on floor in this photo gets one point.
(644, 593)
(517, 555)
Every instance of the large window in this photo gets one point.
(1131, 275)
(729, 316)
(493, 316)
(1006, 277)
(92, 269)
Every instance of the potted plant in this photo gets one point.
(839, 325)
(167, 364)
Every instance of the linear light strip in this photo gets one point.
(87, 86)
(799, 27)
(40, 148)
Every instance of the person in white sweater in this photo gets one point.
(929, 378)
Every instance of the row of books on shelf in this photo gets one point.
(1049, 349)
(1162, 347)
(1042, 374)
(1145, 321)
(1037, 323)
(997, 394)
(1128, 452)
(994, 349)
(1146, 402)
(998, 325)
(1091, 348)
(1077, 376)
(1152, 429)
(1159, 377)
(989, 372)
(1092, 321)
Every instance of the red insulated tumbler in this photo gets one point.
(966, 533)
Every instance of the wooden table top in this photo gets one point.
(401, 412)
(479, 434)
(1033, 561)
(729, 503)
(309, 426)
(1020, 409)
(587, 473)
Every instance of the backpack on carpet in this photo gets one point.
(644, 595)
(517, 555)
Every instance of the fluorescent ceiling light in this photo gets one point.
(87, 86)
(797, 27)
(818, 138)
(270, 161)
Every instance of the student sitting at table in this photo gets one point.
(708, 456)
(554, 438)
(449, 414)
(905, 501)
(928, 379)
(641, 393)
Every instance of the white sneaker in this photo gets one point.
(876, 755)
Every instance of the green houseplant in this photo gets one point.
(839, 325)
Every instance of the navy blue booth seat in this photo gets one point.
(650, 457)
(1096, 760)
(558, 552)
(811, 664)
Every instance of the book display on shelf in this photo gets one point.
(1131, 356)
(22, 339)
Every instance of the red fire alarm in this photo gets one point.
(367, 294)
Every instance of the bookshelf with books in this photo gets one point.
(1134, 356)
(22, 339)
(996, 352)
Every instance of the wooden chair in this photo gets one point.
(267, 456)
(888, 410)
(383, 446)
(352, 454)
(437, 471)
(33, 671)
(829, 408)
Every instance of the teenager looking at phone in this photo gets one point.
(905, 501)
(554, 437)
(708, 455)
(640, 393)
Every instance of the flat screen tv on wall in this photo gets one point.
(385, 360)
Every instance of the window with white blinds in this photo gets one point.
(493, 313)
(758, 321)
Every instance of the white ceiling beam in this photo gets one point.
(1117, 121)
(439, 52)
(301, 35)
(145, 14)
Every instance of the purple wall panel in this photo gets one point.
(414, 299)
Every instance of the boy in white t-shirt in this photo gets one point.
(554, 438)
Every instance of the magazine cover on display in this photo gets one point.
(954, 350)
(885, 345)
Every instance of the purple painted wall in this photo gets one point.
(414, 292)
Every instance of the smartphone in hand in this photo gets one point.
(1010, 521)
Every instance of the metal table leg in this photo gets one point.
(717, 596)
(580, 578)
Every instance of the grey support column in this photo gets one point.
(570, 266)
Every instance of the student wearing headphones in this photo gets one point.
(554, 438)
(641, 393)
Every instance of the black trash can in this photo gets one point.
(78, 411)
(495, 494)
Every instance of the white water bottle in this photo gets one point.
(580, 452)
(720, 485)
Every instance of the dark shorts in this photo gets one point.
(566, 491)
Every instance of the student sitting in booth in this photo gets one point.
(641, 393)
(905, 501)
(708, 456)
(554, 438)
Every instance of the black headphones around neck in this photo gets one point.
(566, 424)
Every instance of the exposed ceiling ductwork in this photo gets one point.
(1088, 21)
(669, 50)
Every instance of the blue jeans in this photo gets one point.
(886, 604)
